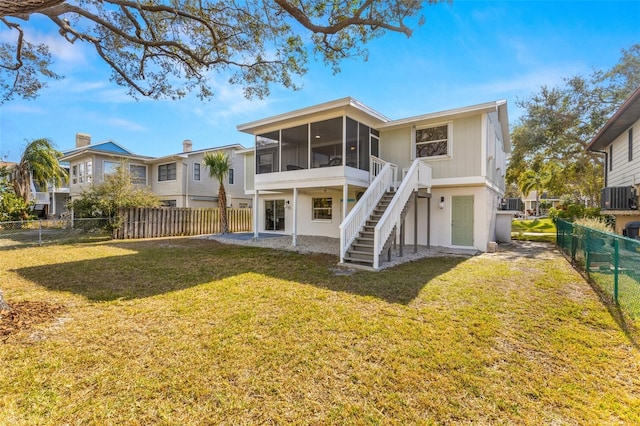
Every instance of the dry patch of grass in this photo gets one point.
(187, 331)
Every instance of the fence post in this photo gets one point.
(616, 246)
(587, 247)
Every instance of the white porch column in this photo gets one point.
(294, 241)
(256, 209)
(345, 200)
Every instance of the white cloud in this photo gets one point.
(124, 124)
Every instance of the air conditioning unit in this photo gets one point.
(511, 204)
(618, 198)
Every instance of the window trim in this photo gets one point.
(231, 177)
(630, 134)
(611, 157)
(146, 173)
(314, 209)
(175, 166)
(414, 143)
(199, 172)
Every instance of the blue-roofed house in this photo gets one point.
(179, 180)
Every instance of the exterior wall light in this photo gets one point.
(441, 204)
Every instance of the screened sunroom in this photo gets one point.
(339, 141)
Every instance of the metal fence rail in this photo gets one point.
(57, 231)
(611, 261)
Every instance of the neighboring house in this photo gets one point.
(546, 201)
(46, 202)
(179, 180)
(619, 141)
(322, 171)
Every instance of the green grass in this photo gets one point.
(543, 225)
(190, 331)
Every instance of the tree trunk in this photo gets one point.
(4, 306)
(222, 205)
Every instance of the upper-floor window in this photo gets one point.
(81, 173)
(167, 172)
(631, 144)
(196, 171)
(109, 167)
(610, 157)
(433, 141)
(322, 208)
(138, 174)
(231, 177)
(74, 174)
(89, 170)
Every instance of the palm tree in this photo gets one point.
(39, 162)
(531, 180)
(219, 164)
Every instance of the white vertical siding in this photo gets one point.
(625, 172)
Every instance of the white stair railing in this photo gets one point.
(355, 220)
(419, 174)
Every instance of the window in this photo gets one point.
(631, 144)
(196, 171)
(432, 141)
(326, 143)
(231, 177)
(166, 172)
(74, 174)
(267, 146)
(322, 208)
(168, 203)
(294, 146)
(138, 174)
(81, 173)
(109, 167)
(610, 157)
(89, 171)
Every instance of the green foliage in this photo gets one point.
(166, 49)
(39, 161)
(104, 200)
(12, 207)
(558, 123)
(573, 211)
(598, 223)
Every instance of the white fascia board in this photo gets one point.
(90, 151)
(237, 147)
(442, 115)
(347, 102)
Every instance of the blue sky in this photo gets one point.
(467, 52)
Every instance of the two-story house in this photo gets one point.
(619, 141)
(179, 180)
(342, 170)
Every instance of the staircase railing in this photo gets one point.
(419, 174)
(355, 220)
(375, 167)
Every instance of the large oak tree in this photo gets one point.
(557, 123)
(167, 48)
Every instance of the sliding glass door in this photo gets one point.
(274, 215)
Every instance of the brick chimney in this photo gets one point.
(187, 145)
(82, 139)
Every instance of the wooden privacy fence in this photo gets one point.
(152, 222)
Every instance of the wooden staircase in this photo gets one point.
(361, 250)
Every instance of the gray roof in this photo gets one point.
(620, 122)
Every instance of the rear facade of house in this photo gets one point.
(319, 171)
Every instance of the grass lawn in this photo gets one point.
(190, 331)
(542, 225)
